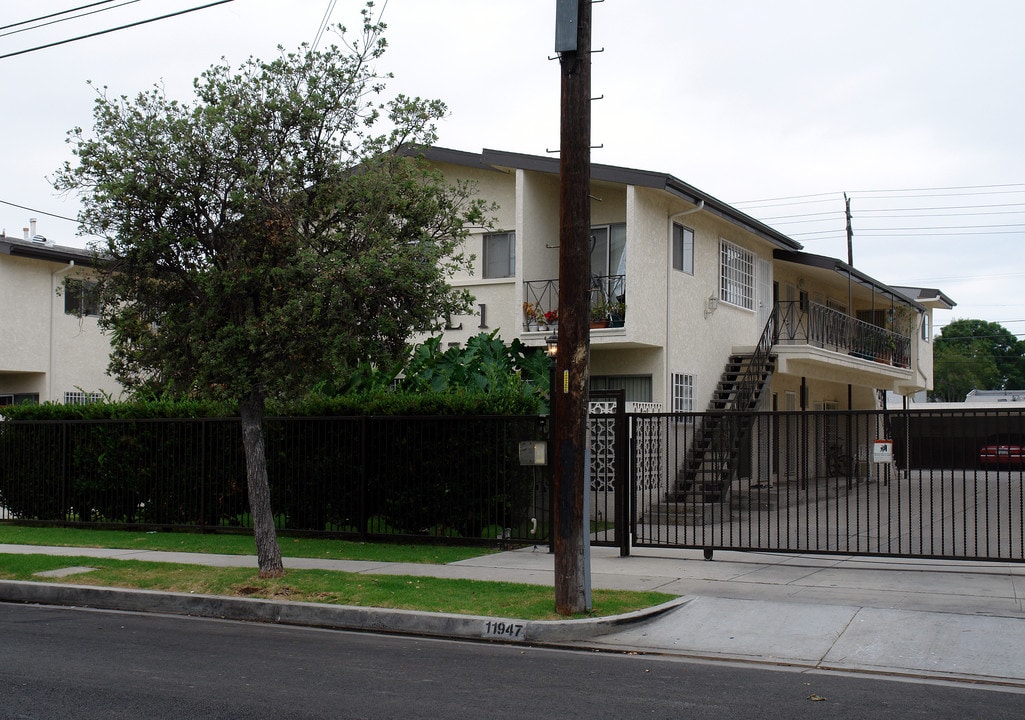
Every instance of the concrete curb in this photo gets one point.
(340, 617)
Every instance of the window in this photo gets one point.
(926, 327)
(80, 298)
(19, 398)
(608, 250)
(736, 275)
(608, 264)
(683, 393)
(82, 398)
(500, 255)
(637, 387)
(683, 249)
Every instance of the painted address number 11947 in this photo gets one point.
(507, 629)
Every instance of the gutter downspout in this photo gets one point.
(669, 305)
(52, 365)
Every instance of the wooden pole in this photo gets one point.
(571, 583)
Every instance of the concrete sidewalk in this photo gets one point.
(920, 618)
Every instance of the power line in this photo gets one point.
(932, 232)
(115, 29)
(323, 23)
(938, 189)
(40, 212)
(56, 14)
(74, 17)
(904, 190)
(790, 197)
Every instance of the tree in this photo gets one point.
(263, 237)
(976, 354)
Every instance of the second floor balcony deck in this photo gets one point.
(606, 298)
(823, 327)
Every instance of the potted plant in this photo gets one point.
(552, 318)
(530, 316)
(600, 315)
(617, 313)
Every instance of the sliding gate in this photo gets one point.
(893, 483)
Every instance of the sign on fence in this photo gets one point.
(882, 451)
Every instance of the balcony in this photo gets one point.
(824, 327)
(607, 302)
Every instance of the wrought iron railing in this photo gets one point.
(820, 326)
(606, 297)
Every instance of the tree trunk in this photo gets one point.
(268, 553)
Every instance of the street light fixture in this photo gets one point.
(552, 345)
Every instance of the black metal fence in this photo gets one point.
(452, 477)
(895, 483)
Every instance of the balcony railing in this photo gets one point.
(824, 327)
(607, 301)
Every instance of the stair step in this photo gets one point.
(697, 513)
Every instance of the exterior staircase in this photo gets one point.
(711, 461)
(703, 483)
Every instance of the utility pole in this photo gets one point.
(850, 232)
(571, 541)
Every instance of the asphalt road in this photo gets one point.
(75, 663)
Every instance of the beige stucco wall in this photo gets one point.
(46, 351)
(701, 339)
(25, 296)
(671, 327)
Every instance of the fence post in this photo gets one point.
(202, 472)
(625, 479)
(64, 472)
(363, 430)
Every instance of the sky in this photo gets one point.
(912, 108)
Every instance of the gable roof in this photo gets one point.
(495, 159)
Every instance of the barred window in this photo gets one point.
(736, 275)
(683, 393)
(78, 397)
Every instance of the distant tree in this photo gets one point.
(267, 236)
(976, 354)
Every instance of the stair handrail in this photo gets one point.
(751, 379)
(726, 428)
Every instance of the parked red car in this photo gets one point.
(1002, 452)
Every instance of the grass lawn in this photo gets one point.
(469, 597)
(236, 544)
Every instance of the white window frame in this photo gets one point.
(78, 397)
(509, 255)
(682, 394)
(736, 275)
(683, 249)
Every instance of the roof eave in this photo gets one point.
(501, 159)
